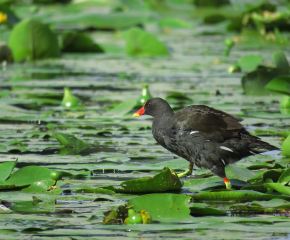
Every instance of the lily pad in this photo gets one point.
(162, 206)
(286, 147)
(27, 175)
(241, 195)
(167, 180)
(69, 140)
(30, 39)
(254, 83)
(79, 42)
(280, 84)
(250, 62)
(6, 168)
(281, 60)
(141, 43)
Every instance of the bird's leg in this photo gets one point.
(228, 183)
(187, 172)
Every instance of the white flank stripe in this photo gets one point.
(192, 132)
(226, 148)
(224, 162)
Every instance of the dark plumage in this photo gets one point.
(204, 136)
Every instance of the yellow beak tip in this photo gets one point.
(135, 115)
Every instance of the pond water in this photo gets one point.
(122, 147)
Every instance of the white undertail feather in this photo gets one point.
(226, 148)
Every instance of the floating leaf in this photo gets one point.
(79, 42)
(205, 211)
(233, 171)
(280, 84)
(162, 206)
(121, 109)
(241, 195)
(166, 180)
(279, 188)
(6, 168)
(285, 177)
(27, 176)
(281, 60)
(286, 147)
(254, 83)
(31, 39)
(250, 62)
(44, 186)
(69, 140)
(139, 42)
(173, 23)
(285, 103)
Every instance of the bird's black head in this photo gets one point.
(153, 107)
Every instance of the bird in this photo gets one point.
(204, 136)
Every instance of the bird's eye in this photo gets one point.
(149, 105)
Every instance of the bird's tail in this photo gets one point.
(258, 146)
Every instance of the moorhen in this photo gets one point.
(204, 136)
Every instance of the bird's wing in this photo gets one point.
(213, 124)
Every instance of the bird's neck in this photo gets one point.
(162, 119)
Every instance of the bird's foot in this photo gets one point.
(187, 172)
(227, 183)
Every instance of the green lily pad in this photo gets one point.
(173, 23)
(206, 211)
(27, 176)
(279, 188)
(6, 168)
(162, 206)
(280, 84)
(69, 140)
(167, 180)
(241, 195)
(121, 109)
(46, 186)
(285, 177)
(286, 147)
(236, 172)
(79, 42)
(254, 83)
(30, 39)
(280, 60)
(141, 43)
(250, 63)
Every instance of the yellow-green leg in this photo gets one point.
(187, 172)
(228, 183)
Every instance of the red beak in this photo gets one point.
(140, 112)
